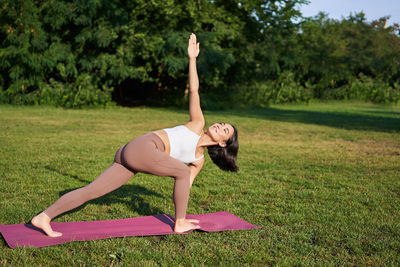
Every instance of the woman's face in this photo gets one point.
(220, 132)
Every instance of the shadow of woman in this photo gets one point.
(135, 192)
(370, 119)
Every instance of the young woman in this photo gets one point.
(164, 153)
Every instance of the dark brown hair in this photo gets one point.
(225, 157)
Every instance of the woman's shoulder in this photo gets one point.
(195, 126)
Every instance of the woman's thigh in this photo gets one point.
(144, 155)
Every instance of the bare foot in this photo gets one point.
(42, 221)
(193, 221)
(184, 225)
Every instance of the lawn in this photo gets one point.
(321, 179)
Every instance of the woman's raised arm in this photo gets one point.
(196, 122)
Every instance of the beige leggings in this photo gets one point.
(143, 154)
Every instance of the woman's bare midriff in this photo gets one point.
(164, 137)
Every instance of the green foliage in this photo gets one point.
(80, 94)
(374, 90)
(92, 53)
(284, 90)
(367, 89)
(338, 55)
(288, 90)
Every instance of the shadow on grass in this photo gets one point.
(134, 192)
(344, 120)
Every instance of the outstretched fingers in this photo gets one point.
(192, 39)
(193, 47)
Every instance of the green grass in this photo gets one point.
(322, 180)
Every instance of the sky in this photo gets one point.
(336, 9)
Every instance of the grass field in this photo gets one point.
(323, 181)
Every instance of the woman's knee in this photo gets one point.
(183, 173)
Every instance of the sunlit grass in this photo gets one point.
(322, 180)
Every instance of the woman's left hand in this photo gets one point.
(193, 47)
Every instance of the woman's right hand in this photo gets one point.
(193, 47)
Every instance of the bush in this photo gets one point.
(288, 90)
(258, 94)
(364, 88)
(374, 90)
(285, 90)
(79, 94)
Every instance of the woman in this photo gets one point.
(163, 153)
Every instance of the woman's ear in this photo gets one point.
(222, 144)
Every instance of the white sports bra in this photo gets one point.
(183, 143)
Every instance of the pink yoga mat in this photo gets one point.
(26, 235)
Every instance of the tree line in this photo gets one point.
(254, 52)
